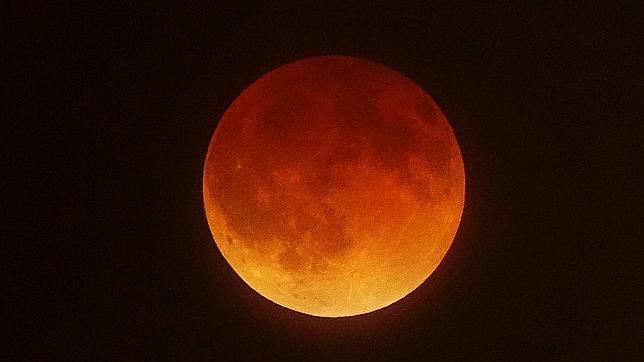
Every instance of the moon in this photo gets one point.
(333, 186)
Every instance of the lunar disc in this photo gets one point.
(333, 186)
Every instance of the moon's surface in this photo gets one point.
(333, 186)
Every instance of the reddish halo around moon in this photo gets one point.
(333, 186)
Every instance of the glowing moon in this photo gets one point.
(333, 186)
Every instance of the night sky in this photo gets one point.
(113, 112)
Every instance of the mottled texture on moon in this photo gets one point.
(333, 186)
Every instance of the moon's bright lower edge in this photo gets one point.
(333, 186)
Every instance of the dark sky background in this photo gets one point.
(114, 110)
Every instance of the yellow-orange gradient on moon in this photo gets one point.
(333, 186)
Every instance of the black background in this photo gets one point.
(113, 111)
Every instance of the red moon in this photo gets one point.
(334, 186)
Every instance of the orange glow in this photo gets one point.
(333, 186)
